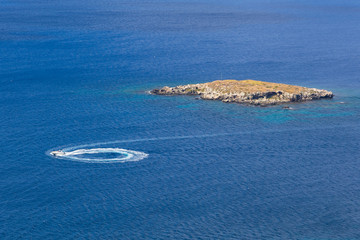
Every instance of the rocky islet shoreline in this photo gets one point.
(247, 91)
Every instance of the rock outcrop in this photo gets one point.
(247, 91)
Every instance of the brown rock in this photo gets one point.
(247, 91)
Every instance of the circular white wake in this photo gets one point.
(100, 155)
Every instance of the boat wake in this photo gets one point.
(100, 155)
(85, 153)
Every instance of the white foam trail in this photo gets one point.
(205, 136)
(125, 155)
(71, 153)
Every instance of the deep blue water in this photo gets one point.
(77, 72)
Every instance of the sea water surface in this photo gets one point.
(75, 75)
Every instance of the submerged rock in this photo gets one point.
(247, 91)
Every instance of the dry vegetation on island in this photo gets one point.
(247, 91)
(249, 86)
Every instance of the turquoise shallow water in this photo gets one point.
(76, 73)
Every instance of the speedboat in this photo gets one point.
(57, 153)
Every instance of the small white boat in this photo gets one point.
(57, 153)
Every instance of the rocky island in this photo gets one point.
(247, 91)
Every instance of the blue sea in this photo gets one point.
(74, 74)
